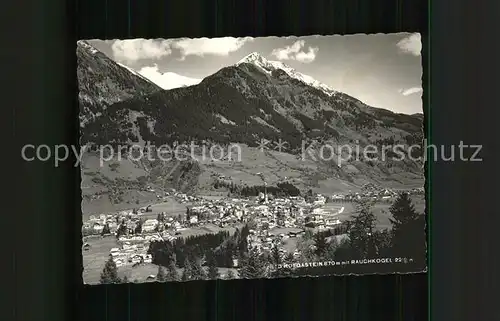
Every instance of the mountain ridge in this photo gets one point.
(102, 82)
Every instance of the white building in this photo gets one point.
(318, 211)
(149, 225)
(98, 227)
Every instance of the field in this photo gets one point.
(274, 166)
(381, 210)
(207, 229)
(290, 244)
(95, 257)
(332, 209)
(171, 207)
(284, 230)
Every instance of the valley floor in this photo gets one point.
(98, 248)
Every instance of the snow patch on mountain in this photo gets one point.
(268, 66)
(265, 123)
(224, 120)
(132, 71)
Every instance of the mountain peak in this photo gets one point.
(253, 58)
(257, 59)
(84, 44)
(268, 66)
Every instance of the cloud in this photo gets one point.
(131, 50)
(168, 80)
(410, 91)
(205, 46)
(411, 44)
(296, 52)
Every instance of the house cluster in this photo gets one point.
(320, 219)
(223, 212)
(126, 223)
(295, 212)
(417, 191)
(266, 241)
(133, 243)
(130, 254)
(184, 198)
(96, 224)
(382, 194)
(266, 214)
(370, 191)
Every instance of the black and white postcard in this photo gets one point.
(231, 158)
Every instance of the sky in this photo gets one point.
(382, 70)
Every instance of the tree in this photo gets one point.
(383, 239)
(160, 276)
(276, 258)
(403, 211)
(138, 227)
(122, 229)
(309, 197)
(186, 273)
(321, 244)
(361, 229)
(408, 227)
(331, 249)
(109, 274)
(252, 265)
(173, 274)
(304, 245)
(213, 270)
(197, 270)
(278, 262)
(106, 229)
(125, 279)
(243, 241)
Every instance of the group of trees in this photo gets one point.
(406, 238)
(122, 229)
(201, 257)
(221, 248)
(282, 189)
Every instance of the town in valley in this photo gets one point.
(274, 223)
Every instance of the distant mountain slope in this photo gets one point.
(103, 82)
